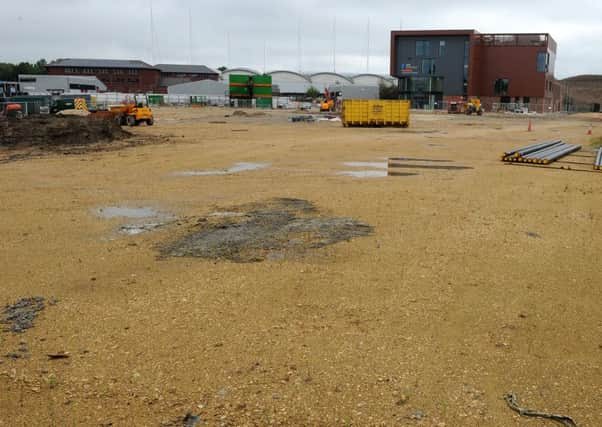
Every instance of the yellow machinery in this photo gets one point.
(375, 112)
(474, 106)
(133, 113)
(328, 103)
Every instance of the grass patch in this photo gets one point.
(596, 142)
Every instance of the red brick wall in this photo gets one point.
(117, 79)
(516, 63)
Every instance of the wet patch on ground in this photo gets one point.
(375, 165)
(236, 168)
(155, 218)
(364, 173)
(370, 169)
(19, 317)
(437, 167)
(109, 212)
(280, 228)
(412, 159)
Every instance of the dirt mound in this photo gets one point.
(240, 113)
(276, 229)
(56, 131)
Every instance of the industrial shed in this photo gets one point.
(289, 82)
(240, 71)
(326, 79)
(208, 88)
(41, 84)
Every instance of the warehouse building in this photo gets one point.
(172, 74)
(294, 84)
(131, 76)
(434, 67)
(39, 84)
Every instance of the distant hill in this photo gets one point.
(584, 90)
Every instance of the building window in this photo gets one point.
(442, 48)
(81, 86)
(423, 48)
(500, 87)
(428, 66)
(543, 60)
(133, 72)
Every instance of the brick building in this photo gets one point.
(118, 75)
(132, 76)
(438, 66)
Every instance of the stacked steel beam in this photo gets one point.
(542, 153)
(598, 161)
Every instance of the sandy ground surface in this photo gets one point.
(476, 282)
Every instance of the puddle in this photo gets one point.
(376, 165)
(402, 174)
(238, 167)
(137, 213)
(364, 173)
(399, 165)
(226, 214)
(109, 212)
(272, 230)
(134, 229)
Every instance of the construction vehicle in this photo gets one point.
(328, 103)
(13, 111)
(461, 106)
(133, 112)
(474, 106)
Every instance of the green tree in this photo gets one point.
(7, 72)
(312, 93)
(10, 72)
(222, 68)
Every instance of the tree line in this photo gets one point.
(10, 72)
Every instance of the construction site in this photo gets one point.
(186, 247)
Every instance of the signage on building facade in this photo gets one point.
(408, 69)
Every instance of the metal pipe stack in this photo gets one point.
(598, 161)
(542, 153)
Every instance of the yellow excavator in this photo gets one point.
(328, 103)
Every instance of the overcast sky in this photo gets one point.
(267, 31)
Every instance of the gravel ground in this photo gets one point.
(448, 305)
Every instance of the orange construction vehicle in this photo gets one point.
(328, 103)
(13, 110)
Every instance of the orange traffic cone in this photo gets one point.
(530, 128)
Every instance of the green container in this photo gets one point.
(155, 99)
(263, 102)
(31, 104)
(240, 78)
(239, 91)
(262, 80)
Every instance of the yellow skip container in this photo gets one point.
(375, 112)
